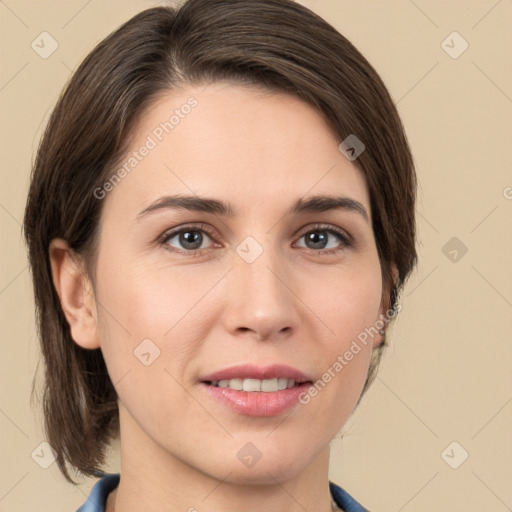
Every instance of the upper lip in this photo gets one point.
(251, 371)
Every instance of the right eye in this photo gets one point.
(188, 239)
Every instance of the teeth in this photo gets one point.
(266, 386)
(282, 383)
(252, 385)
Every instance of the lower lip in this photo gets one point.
(257, 403)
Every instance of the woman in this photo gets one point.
(220, 219)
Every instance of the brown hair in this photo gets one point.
(277, 44)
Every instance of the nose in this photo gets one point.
(260, 299)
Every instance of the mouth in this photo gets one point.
(253, 378)
(257, 385)
(257, 391)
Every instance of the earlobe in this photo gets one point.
(394, 280)
(75, 294)
(388, 292)
(385, 310)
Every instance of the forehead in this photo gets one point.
(256, 146)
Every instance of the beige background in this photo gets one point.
(446, 376)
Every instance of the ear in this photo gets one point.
(385, 306)
(75, 292)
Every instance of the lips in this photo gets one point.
(256, 390)
(262, 373)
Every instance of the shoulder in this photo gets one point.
(344, 500)
(98, 495)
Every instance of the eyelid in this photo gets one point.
(345, 238)
(170, 233)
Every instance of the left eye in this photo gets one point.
(318, 238)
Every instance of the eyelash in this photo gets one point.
(345, 239)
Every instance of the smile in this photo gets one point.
(252, 385)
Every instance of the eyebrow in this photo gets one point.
(317, 203)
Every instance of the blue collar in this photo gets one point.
(98, 496)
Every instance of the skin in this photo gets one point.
(292, 305)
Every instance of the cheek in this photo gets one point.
(143, 316)
(140, 302)
(146, 300)
(348, 301)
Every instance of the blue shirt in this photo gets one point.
(98, 496)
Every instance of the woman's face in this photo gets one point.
(252, 283)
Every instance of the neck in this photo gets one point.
(154, 479)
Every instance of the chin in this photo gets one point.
(262, 473)
(273, 465)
